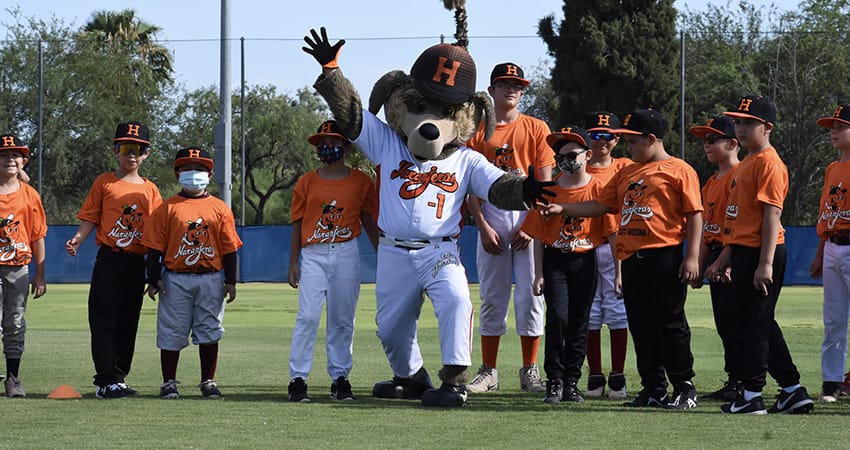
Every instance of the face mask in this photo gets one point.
(330, 154)
(568, 165)
(194, 181)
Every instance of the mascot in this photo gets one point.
(425, 173)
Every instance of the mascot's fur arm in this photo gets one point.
(343, 101)
(506, 193)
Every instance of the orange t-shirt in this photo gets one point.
(834, 217)
(715, 197)
(23, 222)
(330, 209)
(192, 233)
(120, 211)
(571, 234)
(653, 199)
(604, 174)
(761, 179)
(515, 146)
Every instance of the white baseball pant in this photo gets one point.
(836, 310)
(606, 308)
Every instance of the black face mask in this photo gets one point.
(330, 154)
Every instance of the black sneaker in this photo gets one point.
(298, 391)
(595, 385)
(110, 391)
(649, 398)
(168, 390)
(571, 393)
(341, 389)
(727, 393)
(209, 389)
(797, 402)
(684, 396)
(554, 390)
(405, 388)
(447, 396)
(128, 389)
(741, 406)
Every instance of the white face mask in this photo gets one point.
(194, 181)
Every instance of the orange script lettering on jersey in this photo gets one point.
(417, 182)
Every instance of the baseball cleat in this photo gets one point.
(617, 385)
(797, 402)
(404, 388)
(447, 396)
(741, 406)
(110, 391)
(486, 380)
(529, 379)
(654, 398)
(341, 389)
(684, 396)
(168, 390)
(570, 392)
(554, 391)
(595, 385)
(209, 389)
(128, 389)
(298, 391)
(14, 388)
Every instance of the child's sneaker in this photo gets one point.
(128, 389)
(14, 388)
(649, 398)
(341, 389)
(571, 393)
(529, 379)
(168, 390)
(298, 391)
(617, 385)
(486, 380)
(830, 391)
(797, 402)
(554, 391)
(110, 391)
(741, 406)
(209, 389)
(595, 385)
(845, 385)
(729, 391)
(684, 396)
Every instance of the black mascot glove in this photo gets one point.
(533, 190)
(325, 53)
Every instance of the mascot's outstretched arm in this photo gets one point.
(337, 90)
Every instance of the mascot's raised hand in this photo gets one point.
(320, 47)
(533, 191)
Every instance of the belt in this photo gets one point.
(656, 252)
(118, 250)
(193, 271)
(839, 239)
(412, 244)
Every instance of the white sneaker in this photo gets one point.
(14, 388)
(486, 380)
(529, 379)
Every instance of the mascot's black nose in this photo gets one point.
(429, 131)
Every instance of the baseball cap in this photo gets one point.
(601, 121)
(327, 128)
(644, 121)
(756, 107)
(721, 125)
(841, 115)
(193, 155)
(508, 71)
(573, 134)
(11, 142)
(132, 132)
(446, 73)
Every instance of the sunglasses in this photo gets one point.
(571, 156)
(602, 135)
(128, 148)
(712, 138)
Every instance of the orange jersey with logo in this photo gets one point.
(715, 197)
(22, 222)
(761, 179)
(571, 234)
(834, 216)
(120, 211)
(192, 233)
(604, 174)
(516, 145)
(330, 209)
(653, 199)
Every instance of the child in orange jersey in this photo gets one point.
(119, 204)
(328, 207)
(608, 307)
(565, 265)
(721, 148)
(754, 257)
(659, 204)
(22, 232)
(833, 252)
(192, 235)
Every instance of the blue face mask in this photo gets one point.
(194, 181)
(330, 154)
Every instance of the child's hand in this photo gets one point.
(537, 286)
(294, 275)
(154, 290)
(816, 269)
(230, 290)
(552, 209)
(688, 270)
(71, 246)
(763, 277)
(39, 287)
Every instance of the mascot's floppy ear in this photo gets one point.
(384, 88)
(484, 111)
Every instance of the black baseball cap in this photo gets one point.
(721, 125)
(193, 155)
(508, 71)
(644, 122)
(132, 132)
(572, 134)
(11, 142)
(445, 73)
(756, 107)
(841, 115)
(327, 128)
(601, 121)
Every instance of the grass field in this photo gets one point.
(253, 374)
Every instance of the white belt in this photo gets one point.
(412, 244)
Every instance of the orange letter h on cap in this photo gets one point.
(133, 129)
(194, 153)
(8, 141)
(442, 69)
(745, 104)
(326, 128)
(604, 120)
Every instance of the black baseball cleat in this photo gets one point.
(404, 388)
(727, 393)
(797, 402)
(448, 396)
(649, 398)
(684, 396)
(741, 406)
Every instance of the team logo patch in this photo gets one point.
(632, 203)
(505, 159)
(328, 226)
(446, 259)
(567, 241)
(835, 206)
(417, 182)
(127, 227)
(195, 243)
(9, 241)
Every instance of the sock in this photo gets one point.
(594, 353)
(209, 360)
(168, 361)
(12, 366)
(529, 349)
(791, 389)
(749, 395)
(489, 350)
(619, 348)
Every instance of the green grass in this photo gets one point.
(253, 373)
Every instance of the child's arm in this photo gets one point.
(816, 269)
(689, 270)
(537, 285)
(82, 233)
(153, 266)
(590, 208)
(703, 258)
(486, 234)
(39, 287)
(294, 252)
(769, 231)
(371, 228)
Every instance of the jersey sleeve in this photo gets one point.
(545, 156)
(230, 241)
(608, 194)
(772, 183)
(92, 208)
(299, 199)
(690, 189)
(156, 229)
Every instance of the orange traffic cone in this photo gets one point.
(64, 392)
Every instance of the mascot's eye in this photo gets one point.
(416, 106)
(449, 112)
